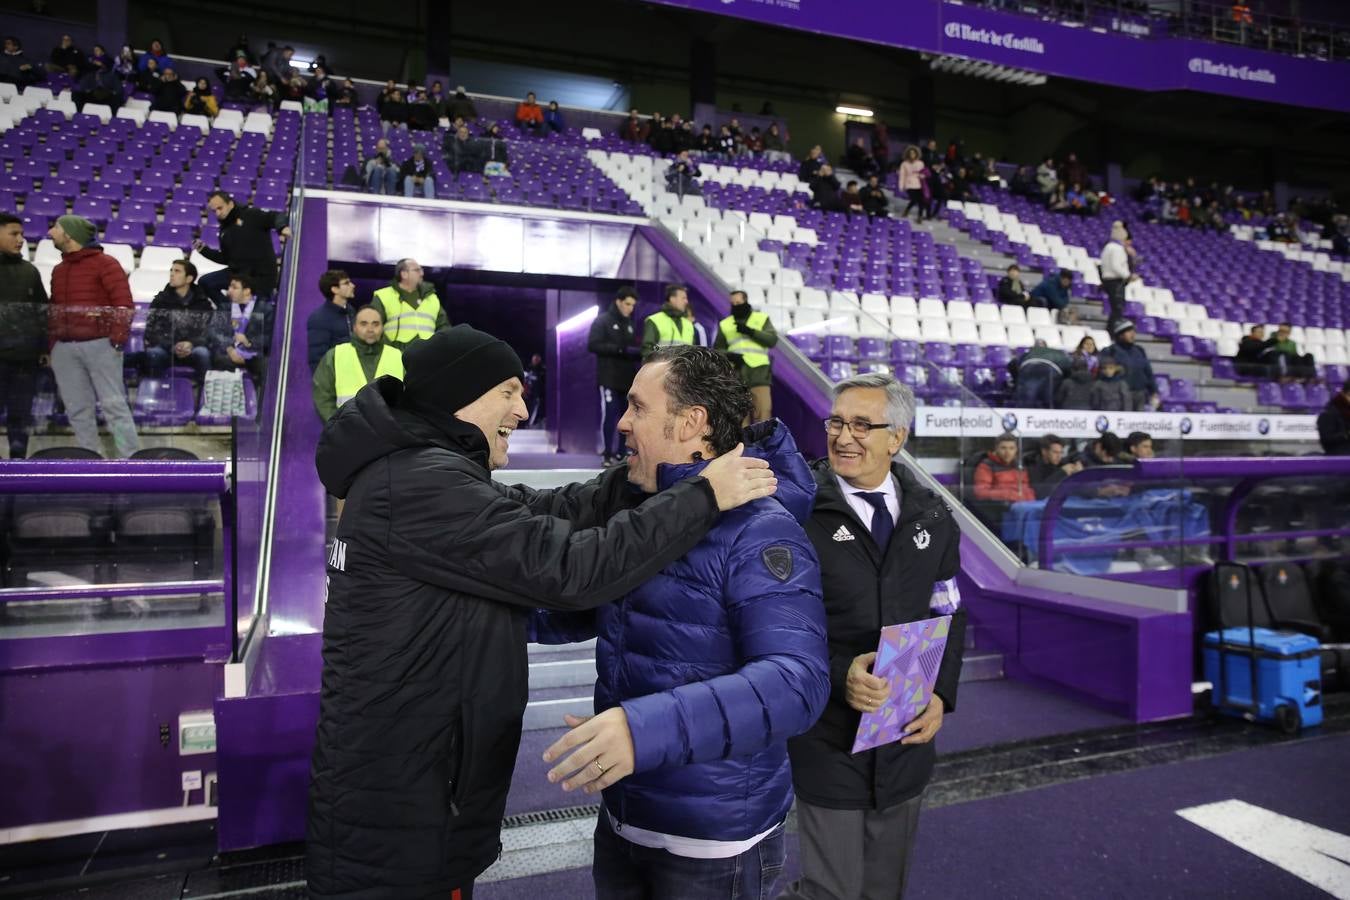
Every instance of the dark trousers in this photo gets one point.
(215, 285)
(612, 405)
(157, 360)
(849, 854)
(1115, 299)
(18, 382)
(623, 870)
(915, 199)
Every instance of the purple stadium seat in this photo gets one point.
(164, 402)
(1223, 367)
(119, 232)
(938, 353)
(1268, 394)
(44, 204)
(872, 349)
(35, 227)
(809, 344)
(1293, 396)
(838, 346)
(838, 370)
(96, 211)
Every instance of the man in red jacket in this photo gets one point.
(91, 312)
(999, 477)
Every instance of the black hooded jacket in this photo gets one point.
(246, 245)
(430, 584)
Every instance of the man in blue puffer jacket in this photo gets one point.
(707, 669)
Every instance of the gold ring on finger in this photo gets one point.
(599, 767)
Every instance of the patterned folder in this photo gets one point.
(909, 656)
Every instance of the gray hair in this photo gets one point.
(900, 403)
(403, 265)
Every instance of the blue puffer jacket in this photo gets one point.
(717, 661)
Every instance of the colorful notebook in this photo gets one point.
(909, 655)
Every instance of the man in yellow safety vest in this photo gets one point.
(673, 324)
(348, 367)
(411, 309)
(746, 336)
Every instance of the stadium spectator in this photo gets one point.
(930, 152)
(1138, 370)
(394, 112)
(912, 180)
(318, 91)
(1110, 390)
(611, 339)
(857, 814)
(241, 50)
(1054, 293)
(1086, 354)
(727, 146)
(438, 102)
(66, 57)
(998, 479)
(202, 100)
(99, 56)
(238, 77)
(1010, 289)
(1115, 271)
(672, 324)
(1075, 391)
(1023, 182)
(416, 174)
(851, 199)
(1251, 359)
(1080, 200)
(344, 96)
(245, 246)
(262, 90)
(276, 62)
(1138, 445)
(382, 172)
(1289, 363)
(707, 142)
(461, 152)
(1333, 424)
(810, 167)
(754, 142)
(881, 147)
(346, 368)
(683, 174)
(1038, 373)
(529, 114)
(331, 324)
(554, 122)
(775, 147)
(875, 201)
(859, 158)
(178, 325)
(634, 130)
(91, 312)
(242, 332)
(170, 94)
(412, 310)
(1046, 466)
(99, 85)
(23, 334)
(461, 107)
(15, 66)
(1073, 172)
(157, 55)
(127, 65)
(1047, 179)
(746, 336)
(663, 137)
(825, 190)
(1104, 451)
(493, 148)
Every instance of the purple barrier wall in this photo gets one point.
(1161, 64)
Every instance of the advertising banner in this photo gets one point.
(988, 422)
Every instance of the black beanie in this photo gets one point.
(449, 370)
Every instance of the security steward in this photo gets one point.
(412, 311)
(747, 335)
(431, 580)
(671, 325)
(889, 553)
(348, 367)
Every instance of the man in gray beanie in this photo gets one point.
(431, 581)
(416, 174)
(91, 312)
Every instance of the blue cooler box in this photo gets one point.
(1288, 674)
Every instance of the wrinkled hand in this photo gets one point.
(864, 691)
(926, 725)
(603, 739)
(737, 479)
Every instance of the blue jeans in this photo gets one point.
(157, 360)
(625, 871)
(382, 180)
(428, 187)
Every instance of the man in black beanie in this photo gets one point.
(431, 581)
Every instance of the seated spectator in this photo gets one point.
(1038, 373)
(875, 201)
(1023, 183)
(1080, 201)
(157, 54)
(351, 365)
(394, 113)
(529, 114)
(344, 96)
(1333, 424)
(1046, 466)
(263, 91)
(851, 200)
(149, 78)
(1053, 293)
(461, 152)
(913, 174)
(178, 325)
(386, 94)
(859, 158)
(99, 85)
(684, 135)
(930, 152)
(1104, 451)
(707, 142)
(461, 107)
(810, 167)
(1010, 290)
(1110, 391)
(1047, 179)
(242, 333)
(663, 138)
(493, 150)
(825, 190)
(1138, 445)
(1290, 365)
(317, 91)
(201, 101)
(1058, 199)
(726, 142)
(775, 147)
(682, 176)
(276, 62)
(330, 324)
(238, 77)
(416, 174)
(1251, 359)
(1073, 172)
(634, 130)
(437, 100)
(1138, 370)
(754, 142)
(171, 94)
(998, 479)
(99, 56)
(66, 57)
(554, 123)
(381, 170)
(127, 65)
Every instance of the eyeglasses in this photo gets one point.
(859, 428)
